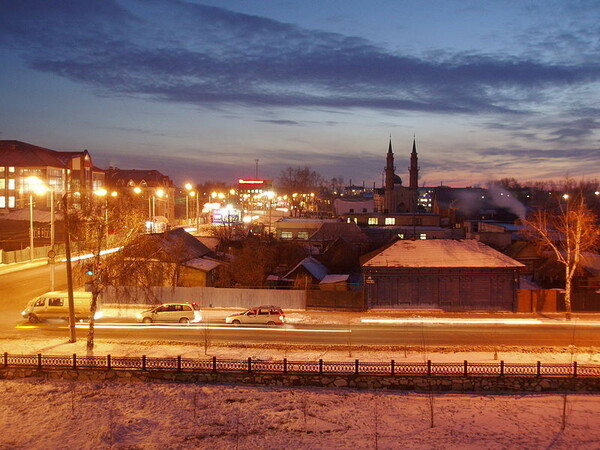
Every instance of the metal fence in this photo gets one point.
(320, 367)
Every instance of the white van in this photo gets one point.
(55, 305)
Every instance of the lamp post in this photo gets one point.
(188, 188)
(34, 185)
(104, 194)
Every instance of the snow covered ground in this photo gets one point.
(50, 414)
(350, 352)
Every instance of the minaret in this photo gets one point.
(389, 169)
(389, 180)
(413, 170)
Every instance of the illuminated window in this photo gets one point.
(372, 221)
(303, 235)
(11, 201)
(11, 169)
(2, 183)
(286, 235)
(390, 221)
(11, 183)
(422, 236)
(2, 201)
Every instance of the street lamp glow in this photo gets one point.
(160, 193)
(101, 192)
(566, 196)
(114, 193)
(137, 190)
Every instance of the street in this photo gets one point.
(19, 287)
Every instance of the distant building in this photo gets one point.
(454, 275)
(394, 197)
(155, 190)
(60, 171)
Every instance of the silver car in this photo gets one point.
(259, 315)
(172, 312)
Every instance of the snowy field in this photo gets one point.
(50, 414)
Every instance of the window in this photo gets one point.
(40, 302)
(2, 201)
(390, 221)
(286, 235)
(2, 183)
(11, 184)
(11, 169)
(422, 236)
(372, 221)
(55, 302)
(351, 210)
(302, 234)
(364, 210)
(11, 201)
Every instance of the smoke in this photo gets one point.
(504, 199)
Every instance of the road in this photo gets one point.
(18, 287)
(427, 335)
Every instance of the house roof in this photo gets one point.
(330, 231)
(203, 264)
(331, 279)
(22, 154)
(312, 266)
(175, 245)
(150, 177)
(440, 253)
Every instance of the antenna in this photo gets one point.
(256, 173)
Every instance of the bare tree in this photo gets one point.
(299, 180)
(91, 222)
(568, 232)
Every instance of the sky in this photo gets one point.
(200, 90)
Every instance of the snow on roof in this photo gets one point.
(526, 283)
(203, 264)
(331, 279)
(314, 267)
(440, 253)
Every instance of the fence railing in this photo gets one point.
(320, 367)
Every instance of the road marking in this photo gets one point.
(200, 327)
(479, 322)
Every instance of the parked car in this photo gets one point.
(264, 315)
(172, 312)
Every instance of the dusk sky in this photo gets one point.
(201, 89)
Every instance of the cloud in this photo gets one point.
(280, 122)
(175, 51)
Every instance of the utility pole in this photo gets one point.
(72, 335)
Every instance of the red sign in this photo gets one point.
(240, 181)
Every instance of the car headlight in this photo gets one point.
(139, 315)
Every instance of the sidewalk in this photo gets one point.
(15, 267)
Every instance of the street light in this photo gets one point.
(34, 185)
(188, 187)
(104, 194)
